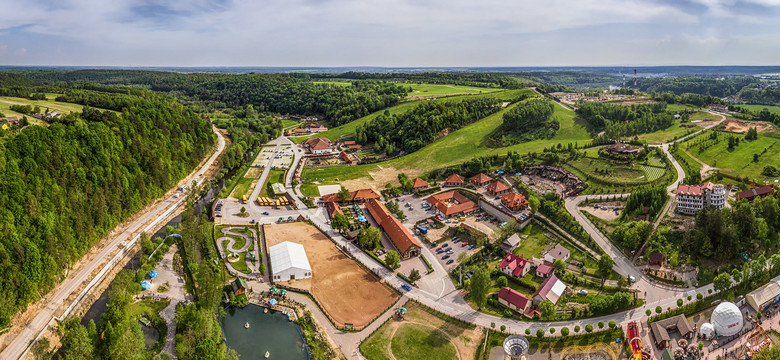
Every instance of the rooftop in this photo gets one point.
(287, 255)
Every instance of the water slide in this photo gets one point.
(636, 343)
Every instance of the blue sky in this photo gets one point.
(389, 32)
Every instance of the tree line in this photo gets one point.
(65, 186)
(279, 93)
(529, 120)
(423, 124)
(618, 121)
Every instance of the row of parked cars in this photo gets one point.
(218, 208)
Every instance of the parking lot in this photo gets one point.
(449, 252)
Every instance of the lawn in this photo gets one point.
(739, 161)
(289, 123)
(309, 189)
(651, 172)
(61, 107)
(693, 165)
(444, 89)
(758, 108)
(666, 135)
(349, 128)
(533, 245)
(422, 331)
(412, 340)
(460, 146)
(275, 176)
(703, 115)
(242, 187)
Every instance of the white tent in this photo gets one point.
(289, 262)
(727, 319)
(707, 329)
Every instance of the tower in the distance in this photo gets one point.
(634, 82)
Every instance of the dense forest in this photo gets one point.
(279, 93)
(714, 86)
(479, 79)
(423, 124)
(618, 121)
(64, 186)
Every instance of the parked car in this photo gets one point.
(450, 251)
(439, 251)
(455, 240)
(445, 245)
(464, 244)
(445, 257)
(582, 292)
(266, 213)
(450, 261)
(471, 246)
(406, 287)
(252, 221)
(631, 279)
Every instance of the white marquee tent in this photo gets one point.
(289, 262)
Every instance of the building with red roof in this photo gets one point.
(544, 270)
(452, 203)
(755, 193)
(514, 201)
(454, 180)
(515, 301)
(514, 265)
(497, 188)
(318, 146)
(333, 209)
(693, 198)
(343, 156)
(480, 180)
(359, 196)
(401, 237)
(349, 142)
(419, 184)
(317, 129)
(552, 289)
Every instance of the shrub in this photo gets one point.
(679, 302)
(528, 331)
(658, 309)
(612, 324)
(565, 331)
(503, 328)
(540, 333)
(576, 328)
(589, 328)
(648, 312)
(699, 296)
(552, 330)
(601, 324)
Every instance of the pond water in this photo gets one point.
(151, 336)
(267, 332)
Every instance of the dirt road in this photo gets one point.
(72, 290)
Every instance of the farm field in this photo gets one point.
(459, 146)
(350, 127)
(422, 332)
(739, 161)
(61, 107)
(443, 89)
(346, 292)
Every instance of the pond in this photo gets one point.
(269, 332)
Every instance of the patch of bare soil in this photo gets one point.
(378, 179)
(604, 214)
(740, 126)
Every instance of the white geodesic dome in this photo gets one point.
(707, 329)
(727, 319)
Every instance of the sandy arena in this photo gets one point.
(743, 126)
(347, 292)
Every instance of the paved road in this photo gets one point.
(74, 283)
(266, 171)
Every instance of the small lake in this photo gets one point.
(267, 332)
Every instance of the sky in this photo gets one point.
(391, 33)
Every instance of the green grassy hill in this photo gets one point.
(459, 146)
(739, 161)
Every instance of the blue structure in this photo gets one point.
(153, 274)
(146, 285)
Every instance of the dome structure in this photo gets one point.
(727, 319)
(515, 347)
(707, 329)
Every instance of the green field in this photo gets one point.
(61, 107)
(739, 161)
(652, 173)
(757, 108)
(440, 89)
(459, 146)
(275, 176)
(703, 115)
(534, 244)
(311, 190)
(617, 172)
(666, 135)
(350, 127)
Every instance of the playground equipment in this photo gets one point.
(637, 352)
(515, 347)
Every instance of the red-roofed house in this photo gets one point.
(299, 131)
(343, 156)
(755, 193)
(514, 201)
(359, 196)
(419, 184)
(515, 301)
(497, 188)
(481, 180)
(552, 289)
(544, 270)
(692, 198)
(355, 147)
(349, 142)
(403, 240)
(318, 129)
(452, 203)
(318, 146)
(514, 265)
(454, 180)
(333, 209)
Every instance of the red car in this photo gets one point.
(464, 244)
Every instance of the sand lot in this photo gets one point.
(347, 292)
(743, 126)
(328, 189)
